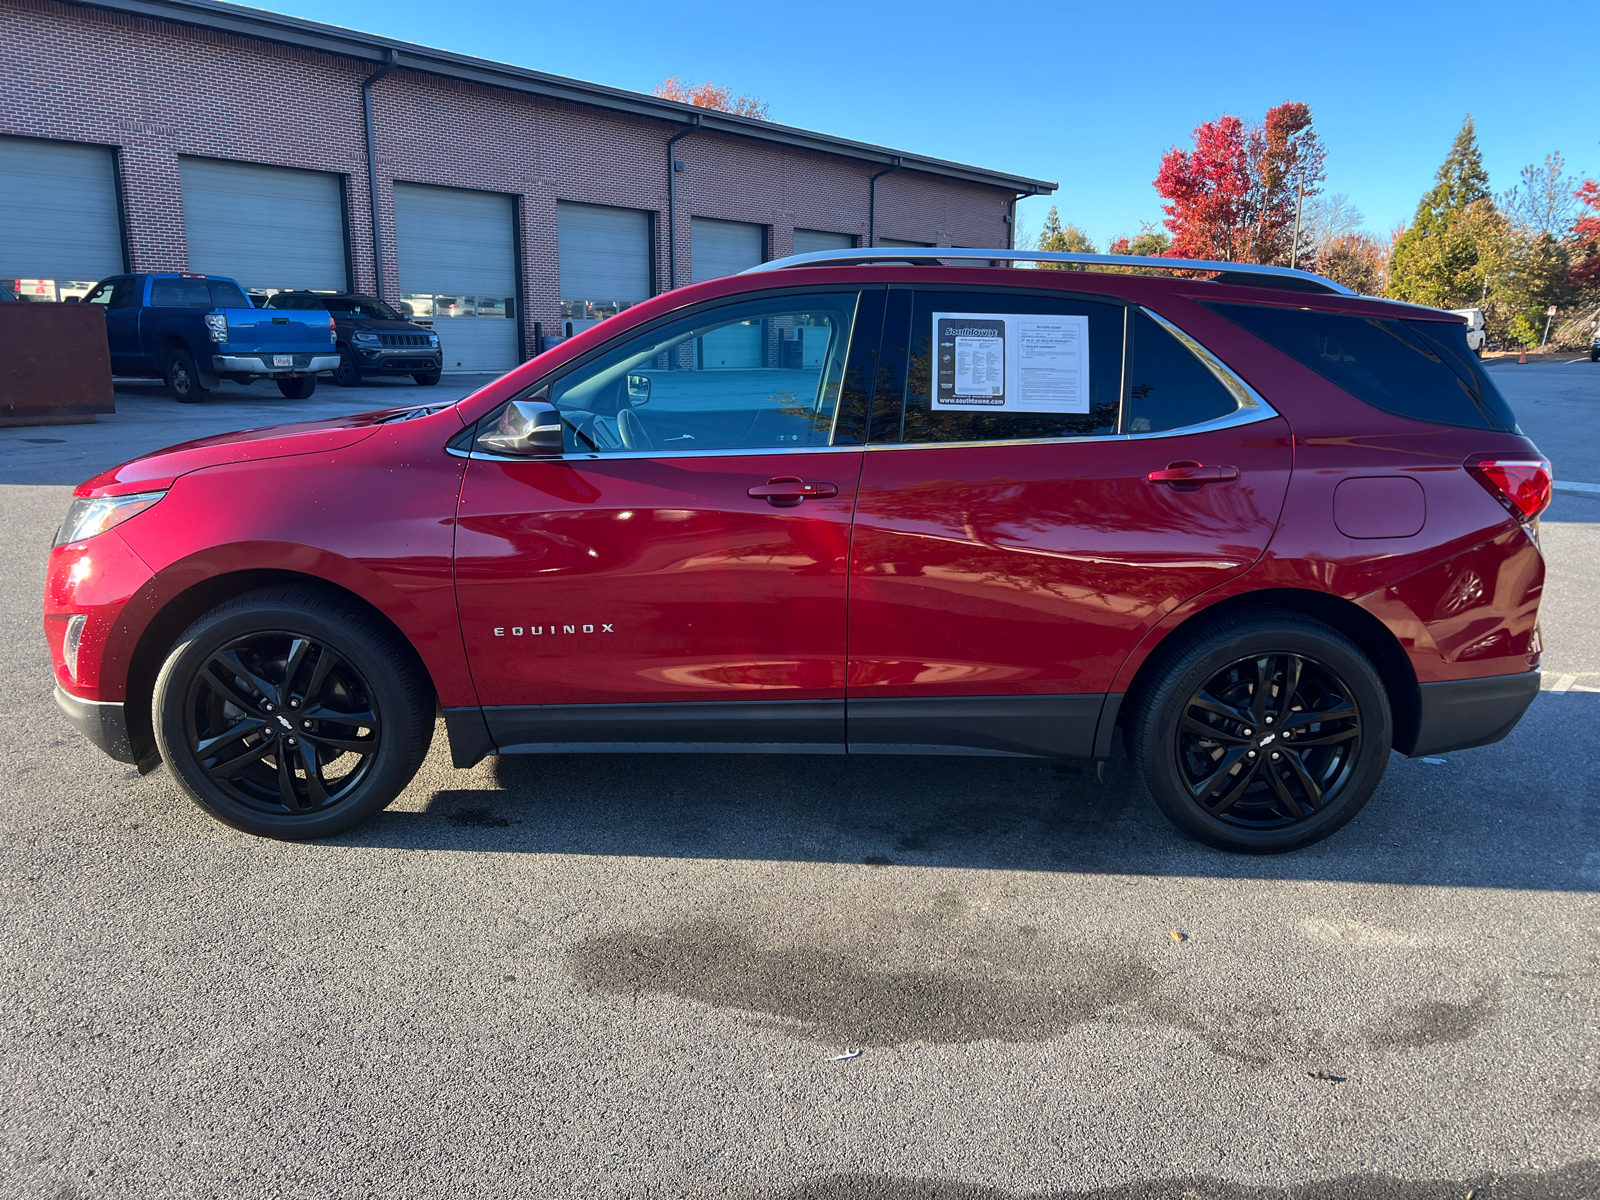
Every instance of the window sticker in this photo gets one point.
(1012, 362)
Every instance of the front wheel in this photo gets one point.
(289, 713)
(298, 387)
(1265, 734)
(427, 379)
(347, 374)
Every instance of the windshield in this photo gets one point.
(361, 306)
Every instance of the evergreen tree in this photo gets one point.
(1454, 241)
(1064, 239)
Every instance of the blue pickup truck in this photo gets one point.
(194, 330)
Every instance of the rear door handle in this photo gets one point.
(787, 492)
(1194, 473)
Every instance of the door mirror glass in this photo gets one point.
(638, 389)
(525, 428)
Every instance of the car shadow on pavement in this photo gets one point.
(1524, 813)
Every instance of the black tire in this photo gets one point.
(183, 377)
(347, 374)
(427, 380)
(244, 687)
(298, 387)
(1208, 681)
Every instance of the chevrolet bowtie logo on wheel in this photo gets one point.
(545, 630)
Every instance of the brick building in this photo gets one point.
(140, 135)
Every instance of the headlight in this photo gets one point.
(217, 324)
(87, 517)
(433, 340)
(370, 338)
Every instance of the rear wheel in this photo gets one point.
(183, 378)
(1265, 734)
(288, 713)
(298, 387)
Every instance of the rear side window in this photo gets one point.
(1417, 369)
(1168, 387)
(227, 295)
(998, 366)
(180, 293)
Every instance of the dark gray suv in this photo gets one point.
(373, 338)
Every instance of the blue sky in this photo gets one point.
(1089, 95)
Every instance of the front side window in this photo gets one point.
(1002, 366)
(757, 374)
(113, 293)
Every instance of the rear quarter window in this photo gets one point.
(1417, 369)
(227, 295)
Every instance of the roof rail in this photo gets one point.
(1271, 276)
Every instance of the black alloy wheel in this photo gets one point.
(183, 378)
(282, 723)
(347, 374)
(1268, 741)
(1266, 735)
(288, 713)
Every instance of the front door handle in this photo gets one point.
(1193, 474)
(787, 491)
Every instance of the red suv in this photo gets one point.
(1265, 529)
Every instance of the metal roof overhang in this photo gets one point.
(334, 39)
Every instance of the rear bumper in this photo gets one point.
(103, 722)
(253, 364)
(1463, 713)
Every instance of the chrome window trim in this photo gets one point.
(747, 452)
(1253, 408)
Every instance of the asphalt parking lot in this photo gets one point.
(635, 976)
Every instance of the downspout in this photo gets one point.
(672, 205)
(872, 203)
(391, 61)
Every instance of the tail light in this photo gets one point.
(1521, 484)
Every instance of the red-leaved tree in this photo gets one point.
(711, 95)
(1232, 196)
(1586, 232)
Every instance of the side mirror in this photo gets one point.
(638, 390)
(527, 428)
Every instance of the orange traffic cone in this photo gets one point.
(1523, 357)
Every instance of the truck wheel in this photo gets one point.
(428, 380)
(347, 374)
(183, 378)
(298, 387)
(289, 713)
(1264, 734)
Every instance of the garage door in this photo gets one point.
(458, 268)
(726, 248)
(59, 233)
(807, 240)
(605, 261)
(271, 228)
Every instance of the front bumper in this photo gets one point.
(397, 361)
(103, 722)
(255, 364)
(1462, 713)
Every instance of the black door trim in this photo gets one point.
(1028, 726)
(1013, 726)
(705, 727)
